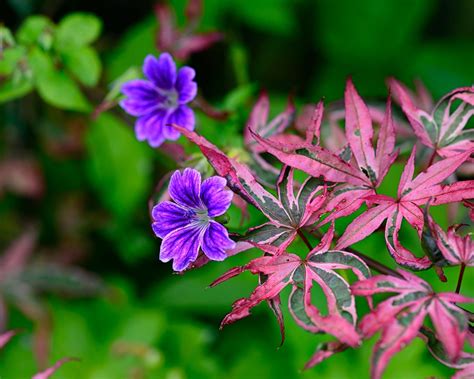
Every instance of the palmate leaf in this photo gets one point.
(400, 317)
(440, 129)
(182, 43)
(436, 348)
(359, 176)
(446, 248)
(274, 129)
(287, 212)
(412, 193)
(283, 269)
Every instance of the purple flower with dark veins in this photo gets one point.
(186, 225)
(160, 100)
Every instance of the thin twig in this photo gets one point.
(460, 277)
(305, 240)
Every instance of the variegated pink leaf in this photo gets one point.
(315, 161)
(442, 128)
(278, 269)
(258, 121)
(324, 351)
(401, 255)
(385, 153)
(418, 189)
(365, 224)
(6, 337)
(344, 200)
(436, 348)
(411, 194)
(182, 43)
(413, 113)
(400, 317)
(397, 334)
(50, 371)
(281, 269)
(359, 132)
(447, 247)
(313, 133)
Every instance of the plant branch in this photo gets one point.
(372, 263)
(305, 240)
(460, 277)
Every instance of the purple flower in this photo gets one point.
(187, 224)
(160, 101)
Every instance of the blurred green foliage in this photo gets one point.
(153, 324)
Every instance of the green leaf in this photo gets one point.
(115, 88)
(36, 30)
(10, 59)
(119, 166)
(6, 38)
(77, 30)
(13, 89)
(84, 63)
(58, 89)
(54, 85)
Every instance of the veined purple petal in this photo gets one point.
(161, 71)
(214, 196)
(138, 107)
(182, 116)
(185, 188)
(169, 216)
(185, 85)
(182, 245)
(141, 90)
(154, 127)
(169, 131)
(216, 241)
(142, 127)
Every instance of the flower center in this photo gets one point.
(170, 98)
(201, 216)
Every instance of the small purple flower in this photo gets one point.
(187, 224)
(161, 100)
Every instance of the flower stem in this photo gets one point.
(460, 277)
(304, 239)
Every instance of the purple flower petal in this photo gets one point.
(216, 241)
(154, 127)
(186, 87)
(141, 89)
(184, 188)
(169, 216)
(138, 107)
(161, 71)
(142, 127)
(215, 197)
(182, 116)
(182, 245)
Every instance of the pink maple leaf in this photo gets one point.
(282, 269)
(412, 193)
(439, 128)
(360, 168)
(401, 316)
(182, 42)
